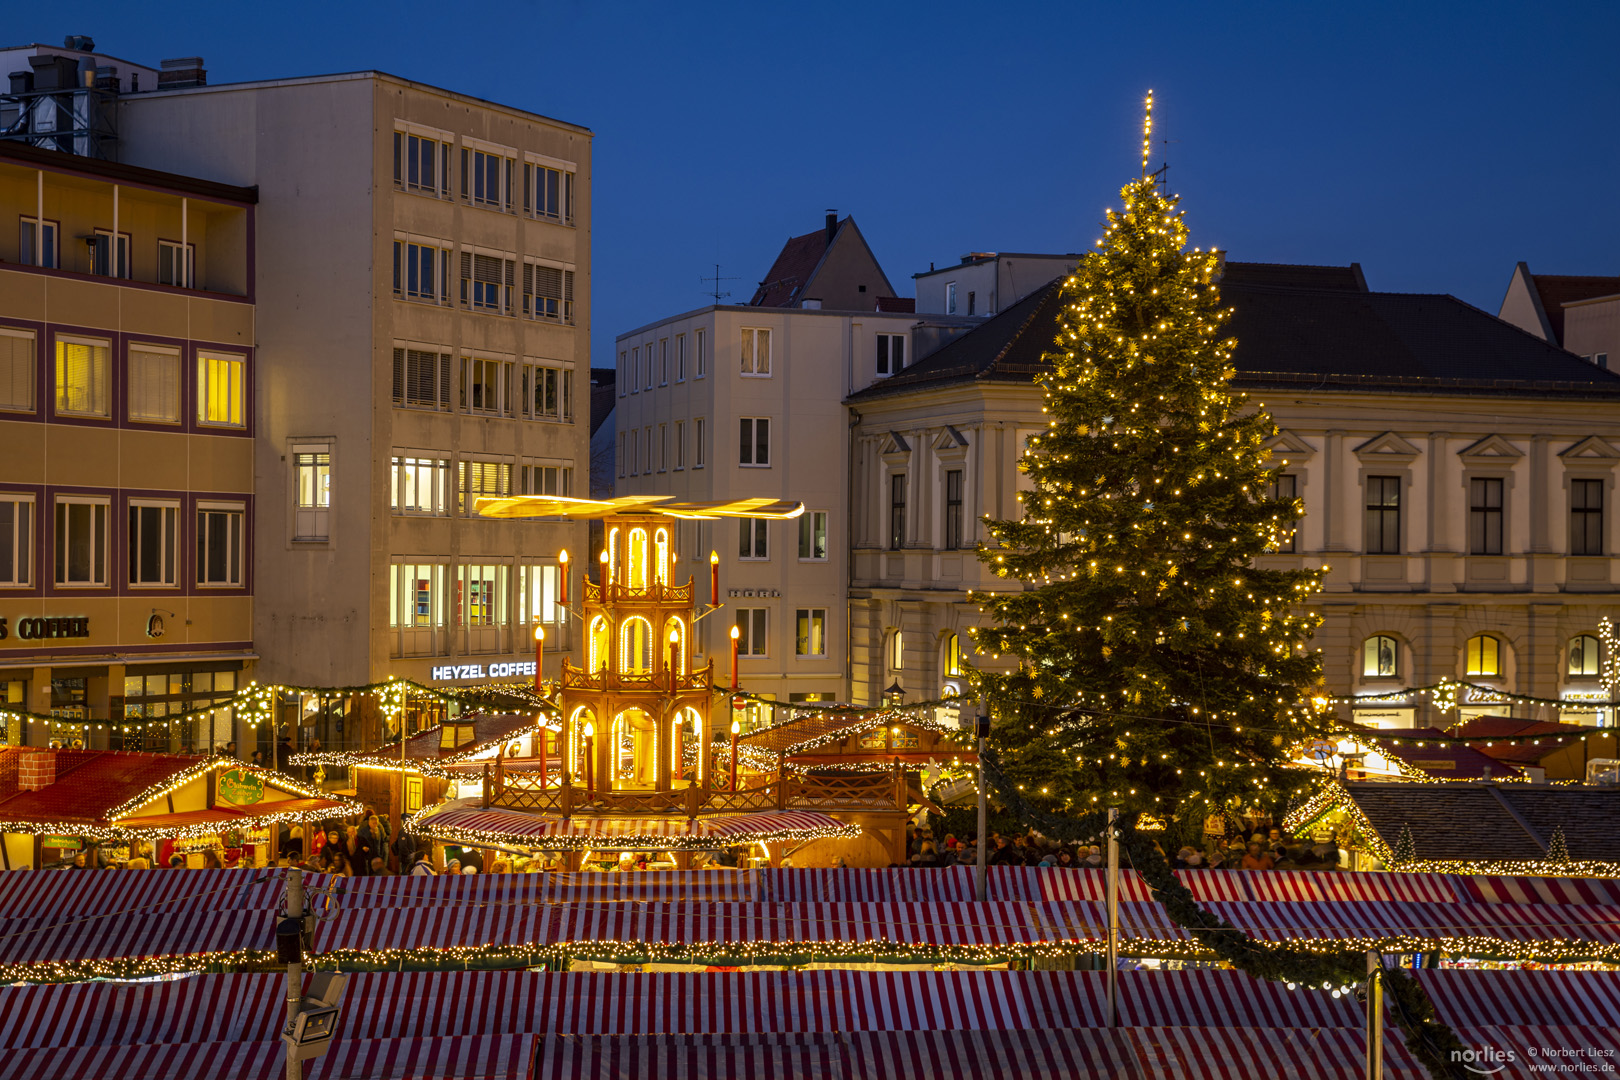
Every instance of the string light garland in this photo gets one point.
(422, 824)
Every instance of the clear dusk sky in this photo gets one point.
(1435, 143)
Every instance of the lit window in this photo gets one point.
(756, 351)
(810, 632)
(897, 651)
(312, 492)
(953, 655)
(481, 596)
(540, 585)
(1584, 657)
(1380, 658)
(82, 376)
(1484, 655)
(221, 391)
(419, 485)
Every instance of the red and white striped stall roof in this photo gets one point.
(543, 888)
(535, 829)
(478, 1057)
(445, 926)
(1473, 998)
(1539, 890)
(82, 892)
(82, 937)
(1297, 885)
(944, 884)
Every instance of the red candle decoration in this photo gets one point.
(736, 635)
(562, 561)
(736, 729)
(539, 658)
(543, 735)
(674, 657)
(590, 759)
(714, 578)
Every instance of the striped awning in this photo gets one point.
(468, 820)
(486, 1057)
(89, 937)
(946, 884)
(62, 893)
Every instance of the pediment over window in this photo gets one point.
(1387, 447)
(1591, 448)
(950, 439)
(1490, 449)
(896, 444)
(1286, 446)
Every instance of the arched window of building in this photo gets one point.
(1584, 657)
(638, 559)
(598, 657)
(1380, 657)
(635, 646)
(897, 651)
(953, 656)
(1484, 655)
(661, 556)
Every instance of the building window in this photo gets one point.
(752, 624)
(756, 351)
(16, 540)
(486, 282)
(897, 511)
(1586, 517)
(680, 445)
(753, 539)
(81, 541)
(219, 544)
(1484, 655)
(1383, 525)
(421, 165)
(620, 377)
(421, 379)
(548, 293)
(953, 508)
(953, 656)
(36, 249)
(101, 254)
(154, 384)
(1285, 488)
(312, 492)
(663, 361)
(486, 179)
(635, 445)
(701, 359)
(221, 390)
(813, 535)
(619, 457)
(1584, 658)
(16, 370)
(1485, 516)
(810, 632)
(483, 385)
(663, 447)
(557, 480)
(680, 357)
(548, 193)
(419, 485)
(416, 604)
(483, 480)
(950, 298)
(972, 298)
(548, 393)
(82, 376)
(635, 370)
(153, 542)
(541, 585)
(1380, 658)
(895, 654)
(754, 446)
(698, 454)
(175, 269)
(481, 596)
(891, 353)
(421, 272)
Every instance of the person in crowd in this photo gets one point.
(257, 760)
(452, 868)
(501, 866)
(927, 855)
(138, 863)
(1180, 861)
(1257, 858)
(1004, 853)
(1094, 857)
(378, 867)
(422, 864)
(284, 750)
(177, 862)
(404, 846)
(337, 861)
(230, 749)
(212, 861)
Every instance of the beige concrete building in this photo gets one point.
(986, 282)
(1458, 477)
(128, 354)
(1579, 313)
(424, 283)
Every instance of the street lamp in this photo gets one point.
(736, 729)
(590, 760)
(895, 695)
(539, 656)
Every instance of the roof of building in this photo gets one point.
(1492, 822)
(1297, 326)
(795, 265)
(1556, 290)
(1438, 759)
(978, 257)
(118, 173)
(1558, 736)
(89, 783)
(903, 305)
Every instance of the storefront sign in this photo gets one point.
(467, 672)
(66, 843)
(1585, 695)
(753, 592)
(240, 787)
(38, 629)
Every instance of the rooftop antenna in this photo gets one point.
(717, 279)
(1159, 174)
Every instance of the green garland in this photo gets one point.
(1429, 1040)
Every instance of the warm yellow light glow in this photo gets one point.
(714, 557)
(736, 727)
(590, 730)
(602, 558)
(539, 633)
(674, 636)
(735, 633)
(562, 556)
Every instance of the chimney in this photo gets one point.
(185, 72)
(79, 43)
(832, 224)
(36, 769)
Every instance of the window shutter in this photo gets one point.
(17, 371)
(399, 376)
(568, 295)
(444, 380)
(466, 276)
(154, 385)
(511, 283)
(466, 191)
(528, 288)
(528, 188)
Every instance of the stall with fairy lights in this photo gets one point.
(56, 803)
(623, 779)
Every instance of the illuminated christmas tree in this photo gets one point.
(1405, 847)
(1155, 664)
(1558, 847)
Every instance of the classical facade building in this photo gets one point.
(1458, 477)
(420, 262)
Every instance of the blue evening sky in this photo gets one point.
(1435, 143)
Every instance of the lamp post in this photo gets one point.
(714, 578)
(539, 659)
(736, 729)
(590, 759)
(895, 695)
(736, 637)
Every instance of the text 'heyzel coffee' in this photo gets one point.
(42, 628)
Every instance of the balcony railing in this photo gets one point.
(574, 678)
(618, 592)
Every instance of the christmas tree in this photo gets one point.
(1154, 664)
(1405, 847)
(1558, 847)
